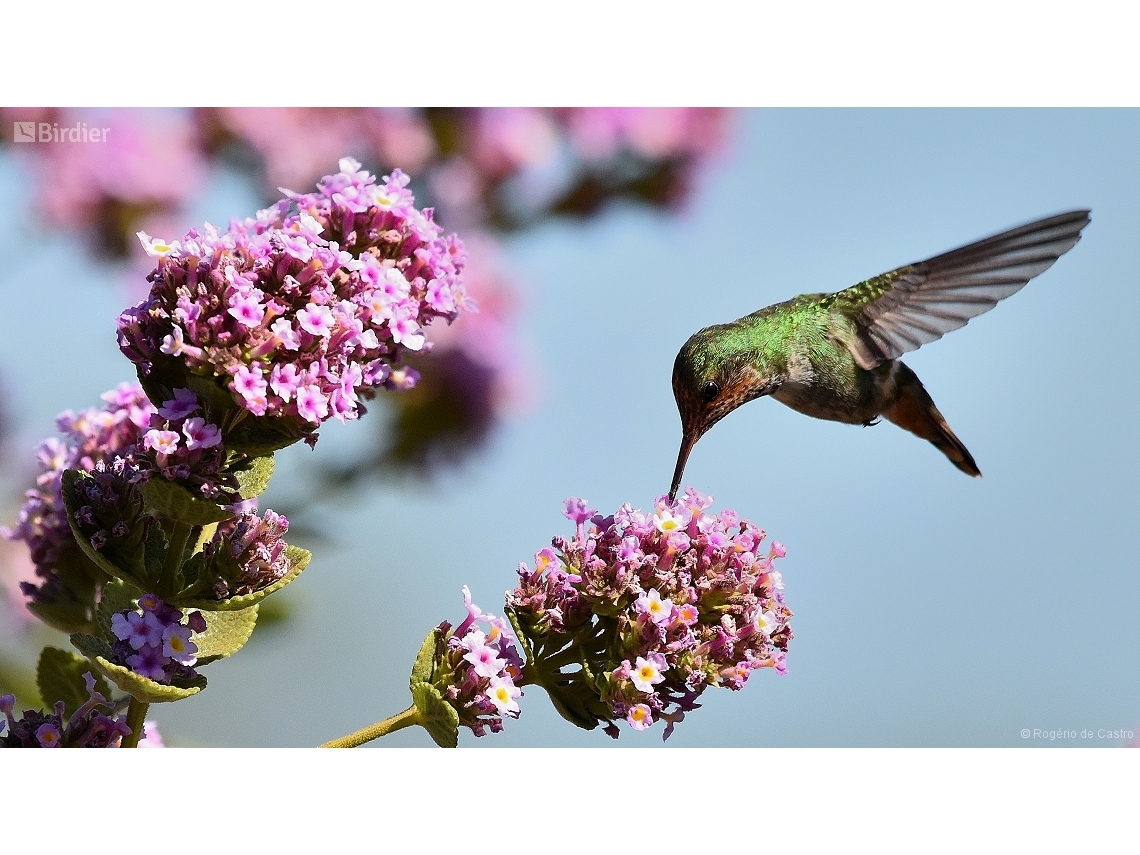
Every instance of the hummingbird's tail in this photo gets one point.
(913, 409)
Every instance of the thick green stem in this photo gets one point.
(174, 552)
(399, 721)
(136, 715)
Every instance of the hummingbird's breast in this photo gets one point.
(822, 379)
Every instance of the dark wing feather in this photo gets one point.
(902, 310)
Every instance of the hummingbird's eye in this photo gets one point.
(709, 391)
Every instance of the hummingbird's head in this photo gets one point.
(711, 378)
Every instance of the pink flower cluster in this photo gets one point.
(94, 436)
(246, 554)
(659, 605)
(154, 642)
(476, 669)
(306, 306)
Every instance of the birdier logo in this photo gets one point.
(51, 132)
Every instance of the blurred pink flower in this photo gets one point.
(149, 162)
(296, 144)
(664, 132)
(15, 567)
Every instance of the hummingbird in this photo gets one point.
(836, 356)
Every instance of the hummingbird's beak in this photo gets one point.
(687, 443)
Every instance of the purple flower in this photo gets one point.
(247, 309)
(176, 644)
(150, 663)
(154, 641)
(197, 622)
(185, 402)
(87, 727)
(483, 657)
(246, 554)
(577, 510)
(139, 629)
(48, 735)
(67, 586)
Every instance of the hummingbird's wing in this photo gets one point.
(902, 310)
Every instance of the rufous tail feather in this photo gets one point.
(913, 410)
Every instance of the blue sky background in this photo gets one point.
(931, 608)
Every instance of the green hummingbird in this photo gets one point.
(836, 356)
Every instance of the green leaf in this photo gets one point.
(175, 502)
(568, 699)
(437, 717)
(17, 679)
(225, 633)
(59, 677)
(136, 685)
(165, 374)
(154, 552)
(72, 607)
(260, 436)
(118, 596)
(424, 666)
(132, 566)
(217, 401)
(298, 560)
(255, 478)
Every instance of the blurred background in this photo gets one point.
(931, 609)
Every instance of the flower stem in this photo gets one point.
(136, 715)
(174, 552)
(399, 721)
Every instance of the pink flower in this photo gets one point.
(407, 332)
(285, 381)
(250, 384)
(646, 671)
(640, 717)
(199, 434)
(311, 404)
(247, 309)
(484, 659)
(501, 691)
(288, 337)
(316, 320)
(651, 604)
(162, 441)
